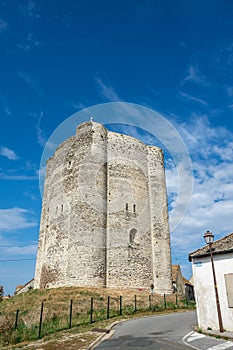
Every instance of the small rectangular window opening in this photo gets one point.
(126, 207)
(134, 208)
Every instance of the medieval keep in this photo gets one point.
(104, 220)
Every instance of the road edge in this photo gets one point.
(104, 336)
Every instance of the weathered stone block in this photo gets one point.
(104, 218)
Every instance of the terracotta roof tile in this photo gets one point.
(222, 245)
(187, 282)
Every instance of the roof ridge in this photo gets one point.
(222, 245)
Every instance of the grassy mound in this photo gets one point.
(65, 307)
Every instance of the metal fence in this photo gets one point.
(25, 325)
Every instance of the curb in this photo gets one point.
(214, 333)
(104, 336)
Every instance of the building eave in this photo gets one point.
(201, 255)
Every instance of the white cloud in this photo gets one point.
(29, 42)
(212, 199)
(8, 153)
(171, 181)
(25, 78)
(5, 107)
(42, 171)
(225, 58)
(225, 153)
(30, 195)
(12, 174)
(30, 10)
(14, 219)
(76, 105)
(17, 177)
(30, 82)
(194, 76)
(181, 43)
(7, 111)
(41, 138)
(195, 99)
(200, 138)
(30, 249)
(107, 92)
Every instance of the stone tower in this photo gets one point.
(104, 218)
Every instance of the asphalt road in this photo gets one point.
(171, 331)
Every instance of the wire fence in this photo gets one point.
(24, 325)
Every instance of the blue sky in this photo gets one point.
(58, 57)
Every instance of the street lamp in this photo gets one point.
(209, 239)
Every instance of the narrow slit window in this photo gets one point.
(62, 208)
(134, 208)
(126, 207)
(132, 235)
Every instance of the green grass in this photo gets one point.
(56, 311)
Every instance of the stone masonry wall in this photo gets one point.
(129, 255)
(104, 218)
(162, 274)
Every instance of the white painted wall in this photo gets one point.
(205, 294)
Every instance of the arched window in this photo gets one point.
(132, 235)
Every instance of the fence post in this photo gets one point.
(176, 300)
(165, 303)
(187, 303)
(135, 303)
(149, 301)
(16, 318)
(71, 308)
(41, 315)
(120, 305)
(108, 305)
(91, 311)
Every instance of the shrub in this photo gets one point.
(6, 328)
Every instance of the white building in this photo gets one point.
(204, 283)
